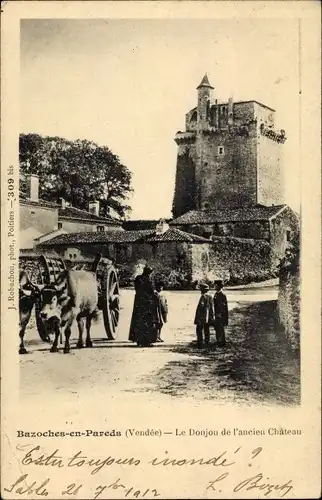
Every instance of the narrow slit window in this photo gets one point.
(221, 150)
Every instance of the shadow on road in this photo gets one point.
(257, 363)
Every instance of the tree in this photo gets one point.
(78, 171)
(291, 261)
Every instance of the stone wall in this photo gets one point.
(243, 111)
(200, 262)
(246, 171)
(283, 227)
(259, 230)
(185, 193)
(227, 179)
(79, 226)
(239, 261)
(37, 216)
(289, 306)
(270, 172)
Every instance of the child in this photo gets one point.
(221, 313)
(204, 315)
(163, 309)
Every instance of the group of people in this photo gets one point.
(211, 311)
(150, 312)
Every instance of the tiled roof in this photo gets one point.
(119, 236)
(176, 235)
(77, 213)
(139, 224)
(40, 203)
(257, 102)
(148, 236)
(72, 213)
(246, 214)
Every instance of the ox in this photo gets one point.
(73, 296)
(28, 294)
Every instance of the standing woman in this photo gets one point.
(145, 315)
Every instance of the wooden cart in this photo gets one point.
(108, 288)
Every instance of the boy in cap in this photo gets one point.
(204, 315)
(163, 308)
(221, 313)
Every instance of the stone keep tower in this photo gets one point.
(229, 155)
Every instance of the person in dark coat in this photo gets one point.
(204, 316)
(221, 313)
(145, 315)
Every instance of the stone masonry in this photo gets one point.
(229, 155)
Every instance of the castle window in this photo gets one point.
(288, 235)
(221, 150)
(100, 229)
(60, 225)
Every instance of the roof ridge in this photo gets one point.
(108, 217)
(254, 212)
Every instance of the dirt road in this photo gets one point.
(256, 367)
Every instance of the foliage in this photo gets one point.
(291, 262)
(289, 297)
(78, 171)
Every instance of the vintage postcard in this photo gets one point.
(160, 257)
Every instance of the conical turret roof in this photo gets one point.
(205, 82)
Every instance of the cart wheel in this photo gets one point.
(110, 302)
(40, 325)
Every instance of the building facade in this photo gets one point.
(41, 220)
(275, 225)
(170, 251)
(229, 155)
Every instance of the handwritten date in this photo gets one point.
(21, 488)
(117, 485)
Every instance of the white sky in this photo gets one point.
(127, 84)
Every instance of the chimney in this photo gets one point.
(63, 203)
(161, 227)
(230, 111)
(33, 187)
(94, 207)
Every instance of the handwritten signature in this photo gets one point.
(257, 483)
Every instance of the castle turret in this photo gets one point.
(204, 102)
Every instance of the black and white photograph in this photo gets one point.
(160, 257)
(160, 209)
